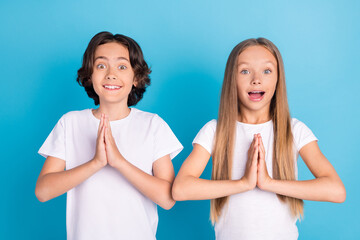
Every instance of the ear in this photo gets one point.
(135, 82)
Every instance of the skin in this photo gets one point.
(111, 67)
(257, 70)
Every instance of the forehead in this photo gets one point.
(256, 54)
(112, 50)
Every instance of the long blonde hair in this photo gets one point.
(283, 158)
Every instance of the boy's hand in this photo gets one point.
(100, 152)
(114, 157)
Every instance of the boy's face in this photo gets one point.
(113, 76)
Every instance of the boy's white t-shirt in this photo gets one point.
(106, 206)
(255, 214)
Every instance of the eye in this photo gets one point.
(100, 66)
(245, 71)
(267, 71)
(122, 67)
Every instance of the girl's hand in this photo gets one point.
(250, 176)
(100, 152)
(114, 157)
(263, 177)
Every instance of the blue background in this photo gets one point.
(187, 44)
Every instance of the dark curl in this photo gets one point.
(140, 67)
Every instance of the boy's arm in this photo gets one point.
(157, 187)
(53, 181)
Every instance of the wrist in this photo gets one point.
(97, 164)
(266, 185)
(244, 185)
(118, 163)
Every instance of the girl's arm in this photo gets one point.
(53, 181)
(327, 185)
(188, 185)
(157, 187)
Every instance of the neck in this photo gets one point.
(112, 111)
(254, 117)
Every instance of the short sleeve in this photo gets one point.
(205, 136)
(302, 134)
(165, 140)
(54, 144)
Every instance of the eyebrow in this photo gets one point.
(119, 58)
(266, 62)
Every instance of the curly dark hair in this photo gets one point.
(140, 67)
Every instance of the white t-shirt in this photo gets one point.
(255, 214)
(106, 206)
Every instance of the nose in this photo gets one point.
(110, 75)
(255, 80)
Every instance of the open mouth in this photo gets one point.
(111, 87)
(256, 95)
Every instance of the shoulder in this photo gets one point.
(78, 113)
(206, 135)
(211, 124)
(145, 117)
(75, 116)
(297, 125)
(209, 127)
(142, 114)
(148, 120)
(301, 133)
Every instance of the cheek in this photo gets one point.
(272, 87)
(95, 80)
(241, 89)
(129, 79)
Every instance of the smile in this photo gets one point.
(256, 95)
(111, 87)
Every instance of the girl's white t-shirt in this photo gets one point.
(255, 214)
(106, 206)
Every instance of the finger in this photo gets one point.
(254, 144)
(102, 135)
(109, 126)
(262, 164)
(258, 149)
(262, 144)
(254, 140)
(106, 121)
(251, 148)
(100, 124)
(262, 148)
(255, 156)
(261, 157)
(106, 137)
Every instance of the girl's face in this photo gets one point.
(256, 79)
(113, 76)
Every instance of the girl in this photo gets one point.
(117, 159)
(254, 145)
